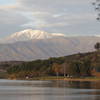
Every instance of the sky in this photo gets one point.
(71, 17)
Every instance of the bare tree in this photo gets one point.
(96, 5)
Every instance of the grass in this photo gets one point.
(66, 79)
(48, 78)
(3, 75)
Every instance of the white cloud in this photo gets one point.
(50, 15)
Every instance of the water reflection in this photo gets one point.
(49, 90)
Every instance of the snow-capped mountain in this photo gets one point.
(29, 34)
(34, 44)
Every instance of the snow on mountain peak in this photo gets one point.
(30, 34)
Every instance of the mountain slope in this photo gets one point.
(31, 45)
(42, 49)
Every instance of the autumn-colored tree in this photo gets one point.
(56, 68)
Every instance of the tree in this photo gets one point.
(74, 69)
(56, 68)
(85, 68)
(64, 69)
(96, 5)
(97, 46)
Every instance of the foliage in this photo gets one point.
(56, 68)
(97, 46)
(75, 65)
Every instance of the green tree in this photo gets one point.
(85, 67)
(97, 46)
(74, 68)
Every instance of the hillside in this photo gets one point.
(81, 64)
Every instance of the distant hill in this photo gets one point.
(81, 64)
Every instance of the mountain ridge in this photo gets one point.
(30, 34)
(37, 48)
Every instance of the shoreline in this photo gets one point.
(90, 79)
(84, 79)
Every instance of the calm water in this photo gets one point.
(49, 90)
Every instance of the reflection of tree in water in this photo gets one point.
(88, 88)
(95, 85)
(80, 85)
(64, 88)
(76, 84)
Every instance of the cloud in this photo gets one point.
(54, 6)
(10, 20)
(50, 15)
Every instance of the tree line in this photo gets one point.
(78, 65)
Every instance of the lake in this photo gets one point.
(48, 90)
